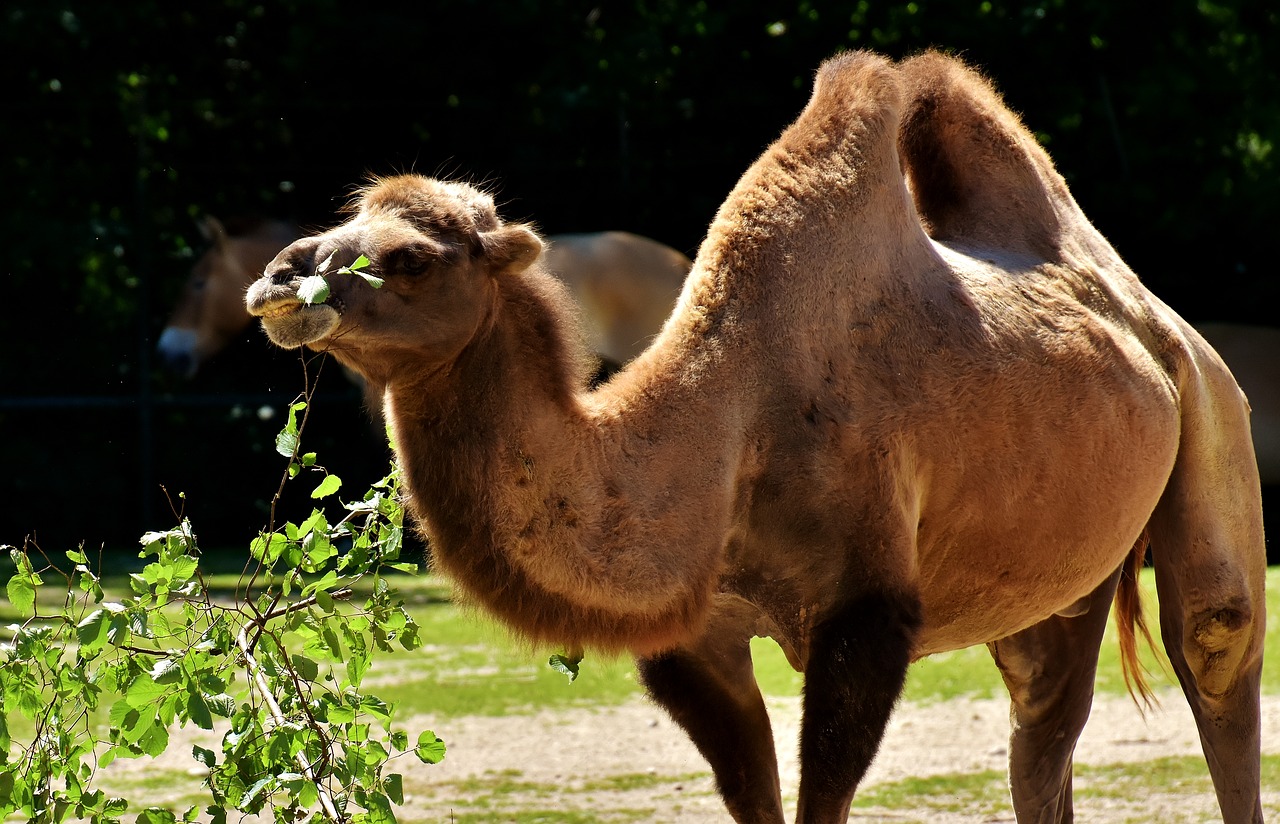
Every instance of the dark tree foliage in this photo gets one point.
(127, 121)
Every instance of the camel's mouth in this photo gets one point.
(288, 321)
(280, 310)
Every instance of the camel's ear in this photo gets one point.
(213, 231)
(510, 249)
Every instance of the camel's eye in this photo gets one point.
(410, 260)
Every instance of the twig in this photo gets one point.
(260, 680)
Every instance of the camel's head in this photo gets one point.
(434, 249)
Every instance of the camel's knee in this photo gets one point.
(1219, 643)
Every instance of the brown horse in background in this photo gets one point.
(210, 310)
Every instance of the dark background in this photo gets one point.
(125, 122)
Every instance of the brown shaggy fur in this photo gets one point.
(909, 401)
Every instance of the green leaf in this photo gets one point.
(92, 631)
(166, 671)
(223, 705)
(430, 749)
(313, 289)
(395, 788)
(247, 803)
(357, 665)
(566, 665)
(356, 265)
(198, 711)
(327, 487)
(144, 692)
(156, 740)
(156, 815)
(267, 549)
(22, 593)
(373, 280)
(287, 443)
(331, 641)
(306, 668)
(5, 739)
(324, 264)
(379, 808)
(327, 581)
(118, 630)
(206, 757)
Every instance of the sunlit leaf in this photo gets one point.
(287, 443)
(566, 665)
(22, 594)
(92, 631)
(430, 749)
(206, 757)
(313, 289)
(327, 487)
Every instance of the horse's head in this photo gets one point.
(210, 311)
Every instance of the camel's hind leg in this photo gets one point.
(1049, 669)
(1210, 564)
(709, 689)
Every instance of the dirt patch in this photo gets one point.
(630, 763)
(561, 760)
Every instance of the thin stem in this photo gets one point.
(264, 688)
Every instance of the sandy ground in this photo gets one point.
(571, 749)
(629, 763)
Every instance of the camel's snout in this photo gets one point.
(288, 320)
(295, 262)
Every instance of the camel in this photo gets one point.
(625, 283)
(909, 401)
(1253, 353)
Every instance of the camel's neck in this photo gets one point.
(578, 520)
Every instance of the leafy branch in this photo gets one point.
(278, 666)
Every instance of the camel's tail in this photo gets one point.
(1130, 622)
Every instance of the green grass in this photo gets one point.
(506, 796)
(981, 793)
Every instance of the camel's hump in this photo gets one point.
(977, 174)
(856, 82)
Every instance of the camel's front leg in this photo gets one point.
(857, 663)
(709, 689)
(1049, 669)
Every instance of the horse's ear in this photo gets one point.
(510, 249)
(213, 230)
